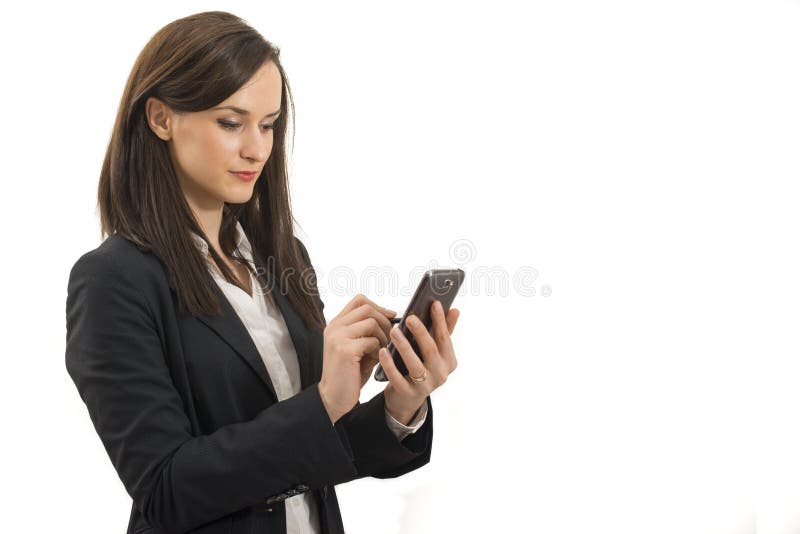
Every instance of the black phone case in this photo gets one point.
(436, 284)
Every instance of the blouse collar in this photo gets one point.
(241, 242)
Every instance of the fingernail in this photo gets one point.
(413, 321)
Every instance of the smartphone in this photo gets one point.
(436, 284)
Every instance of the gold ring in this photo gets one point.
(418, 379)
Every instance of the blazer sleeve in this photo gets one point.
(376, 450)
(115, 356)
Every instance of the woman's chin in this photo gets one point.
(240, 196)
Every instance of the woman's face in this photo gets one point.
(207, 147)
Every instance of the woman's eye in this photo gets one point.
(233, 125)
(228, 125)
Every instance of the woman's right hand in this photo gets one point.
(360, 329)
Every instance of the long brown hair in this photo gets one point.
(193, 64)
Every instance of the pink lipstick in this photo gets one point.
(246, 176)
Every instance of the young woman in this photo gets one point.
(195, 331)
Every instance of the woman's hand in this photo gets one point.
(357, 332)
(402, 396)
(368, 362)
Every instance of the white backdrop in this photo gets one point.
(617, 179)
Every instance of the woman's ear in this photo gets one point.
(159, 118)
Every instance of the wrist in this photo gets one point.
(334, 414)
(402, 411)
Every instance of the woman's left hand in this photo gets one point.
(402, 396)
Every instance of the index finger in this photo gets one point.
(359, 300)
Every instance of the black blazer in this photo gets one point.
(188, 415)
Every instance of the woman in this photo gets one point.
(195, 331)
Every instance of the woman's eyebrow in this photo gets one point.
(241, 111)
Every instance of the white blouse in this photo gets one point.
(268, 330)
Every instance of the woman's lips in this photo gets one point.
(246, 176)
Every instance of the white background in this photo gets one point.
(642, 157)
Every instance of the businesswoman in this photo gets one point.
(195, 330)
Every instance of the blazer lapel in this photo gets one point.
(299, 334)
(230, 328)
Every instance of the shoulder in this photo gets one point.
(119, 261)
(303, 250)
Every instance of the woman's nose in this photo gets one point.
(255, 146)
